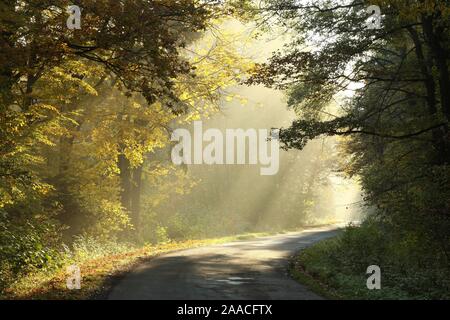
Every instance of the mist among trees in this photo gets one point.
(86, 118)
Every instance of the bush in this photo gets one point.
(89, 247)
(162, 235)
(411, 267)
(25, 247)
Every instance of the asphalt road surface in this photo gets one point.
(249, 269)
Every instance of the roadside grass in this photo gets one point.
(336, 269)
(317, 286)
(316, 268)
(309, 267)
(100, 270)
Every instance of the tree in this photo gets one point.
(336, 33)
(396, 119)
(35, 44)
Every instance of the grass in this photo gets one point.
(100, 273)
(299, 273)
(316, 268)
(333, 269)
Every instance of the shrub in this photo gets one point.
(27, 246)
(411, 267)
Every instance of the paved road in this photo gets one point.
(249, 269)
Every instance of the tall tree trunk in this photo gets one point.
(135, 204)
(62, 181)
(434, 37)
(131, 184)
(438, 134)
(125, 182)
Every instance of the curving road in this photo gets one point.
(249, 269)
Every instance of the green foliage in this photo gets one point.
(161, 235)
(410, 267)
(27, 246)
(86, 117)
(86, 247)
(84, 114)
(396, 129)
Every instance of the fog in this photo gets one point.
(235, 198)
